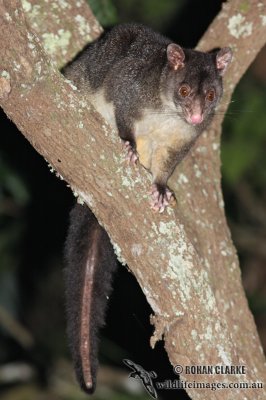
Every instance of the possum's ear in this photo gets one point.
(223, 59)
(175, 56)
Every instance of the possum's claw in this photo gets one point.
(161, 197)
(132, 155)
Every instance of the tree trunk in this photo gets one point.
(183, 259)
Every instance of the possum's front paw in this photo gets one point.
(131, 153)
(161, 197)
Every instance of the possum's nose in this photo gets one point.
(195, 119)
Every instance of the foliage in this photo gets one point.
(104, 11)
(155, 13)
(14, 197)
(244, 140)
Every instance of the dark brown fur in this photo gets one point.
(133, 76)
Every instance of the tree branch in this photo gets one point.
(184, 259)
(64, 27)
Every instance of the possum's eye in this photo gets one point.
(184, 90)
(210, 96)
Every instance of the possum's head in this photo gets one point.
(193, 81)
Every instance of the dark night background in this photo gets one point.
(34, 208)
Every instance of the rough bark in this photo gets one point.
(183, 259)
(64, 27)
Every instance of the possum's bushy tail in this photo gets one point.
(90, 263)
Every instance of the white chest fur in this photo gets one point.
(156, 131)
(161, 130)
(106, 109)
